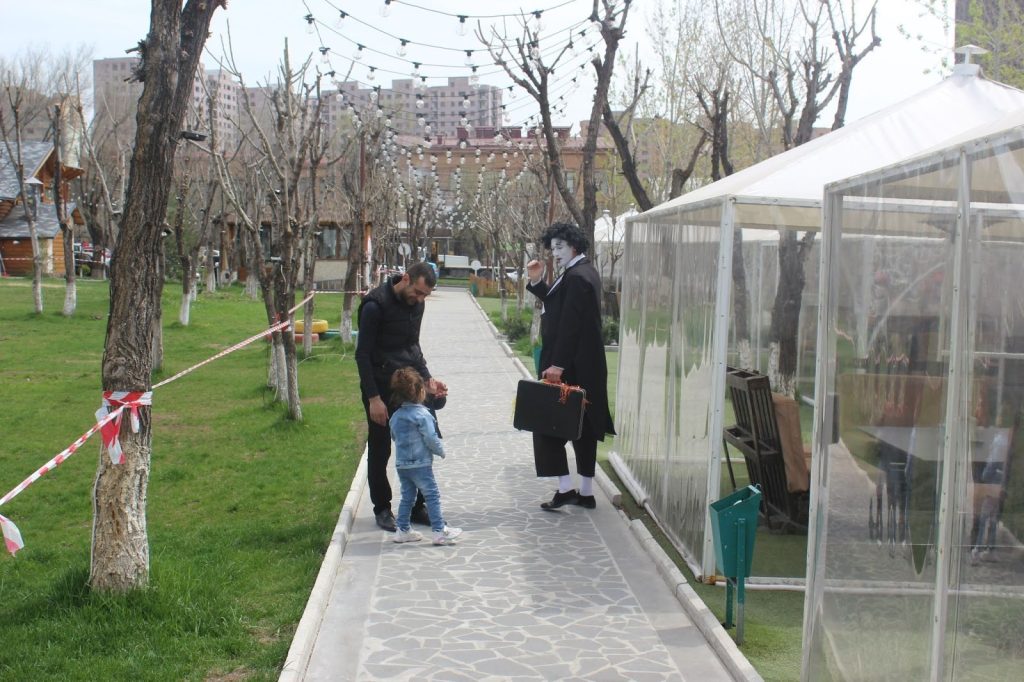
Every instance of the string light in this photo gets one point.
(358, 54)
(341, 19)
(461, 30)
(385, 10)
(324, 56)
(310, 29)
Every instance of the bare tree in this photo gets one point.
(17, 92)
(284, 167)
(170, 55)
(522, 59)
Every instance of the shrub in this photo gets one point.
(516, 327)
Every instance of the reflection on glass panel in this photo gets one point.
(985, 624)
(665, 376)
(894, 278)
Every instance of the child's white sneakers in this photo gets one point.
(446, 536)
(408, 536)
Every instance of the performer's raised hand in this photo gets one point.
(535, 270)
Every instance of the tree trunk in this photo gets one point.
(170, 56)
(184, 311)
(67, 235)
(786, 312)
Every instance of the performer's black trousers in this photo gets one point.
(550, 458)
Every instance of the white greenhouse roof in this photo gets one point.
(786, 189)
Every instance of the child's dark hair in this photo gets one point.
(407, 386)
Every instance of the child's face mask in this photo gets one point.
(561, 252)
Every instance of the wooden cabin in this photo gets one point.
(39, 160)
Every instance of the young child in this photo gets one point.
(414, 430)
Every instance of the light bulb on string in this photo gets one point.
(463, 120)
(374, 92)
(372, 76)
(415, 70)
(462, 144)
(385, 10)
(474, 79)
(465, 103)
(358, 54)
(427, 128)
(461, 29)
(420, 120)
(340, 21)
(403, 48)
(538, 22)
(419, 101)
(324, 56)
(511, 92)
(310, 29)
(469, 57)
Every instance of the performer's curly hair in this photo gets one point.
(568, 233)
(407, 386)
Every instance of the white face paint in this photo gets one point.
(562, 252)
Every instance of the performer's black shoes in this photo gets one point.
(586, 501)
(560, 500)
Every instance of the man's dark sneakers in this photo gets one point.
(386, 520)
(560, 500)
(586, 501)
(420, 515)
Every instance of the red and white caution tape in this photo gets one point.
(12, 537)
(109, 423)
(120, 400)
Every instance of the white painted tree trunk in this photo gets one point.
(252, 288)
(70, 298)
(780, 384)
(211, 280)
(277, 378)
(184, 312)
(120, 548)
(346, 323)
(746, 354)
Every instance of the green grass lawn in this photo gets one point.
(773, 620)
(241, 501)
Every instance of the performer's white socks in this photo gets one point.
(564, 483)
(586, 485)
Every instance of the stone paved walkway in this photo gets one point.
(525, 594)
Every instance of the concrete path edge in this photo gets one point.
(306, 632)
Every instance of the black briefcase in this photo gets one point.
(554, 410)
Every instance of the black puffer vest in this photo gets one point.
(398, 332)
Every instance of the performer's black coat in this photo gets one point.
(571, 338)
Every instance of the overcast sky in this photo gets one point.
(258, 29)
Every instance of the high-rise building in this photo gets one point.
(116, 95)
(444, 108)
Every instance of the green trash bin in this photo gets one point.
(734, 528)
(725, 514)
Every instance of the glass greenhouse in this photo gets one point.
(689, 313)
(916, 565)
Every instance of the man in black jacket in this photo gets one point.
(389, 339)
(572, 352)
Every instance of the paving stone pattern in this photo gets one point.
(525, 594)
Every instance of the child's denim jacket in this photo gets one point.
(414, 431)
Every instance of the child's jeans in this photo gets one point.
(421, 478)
